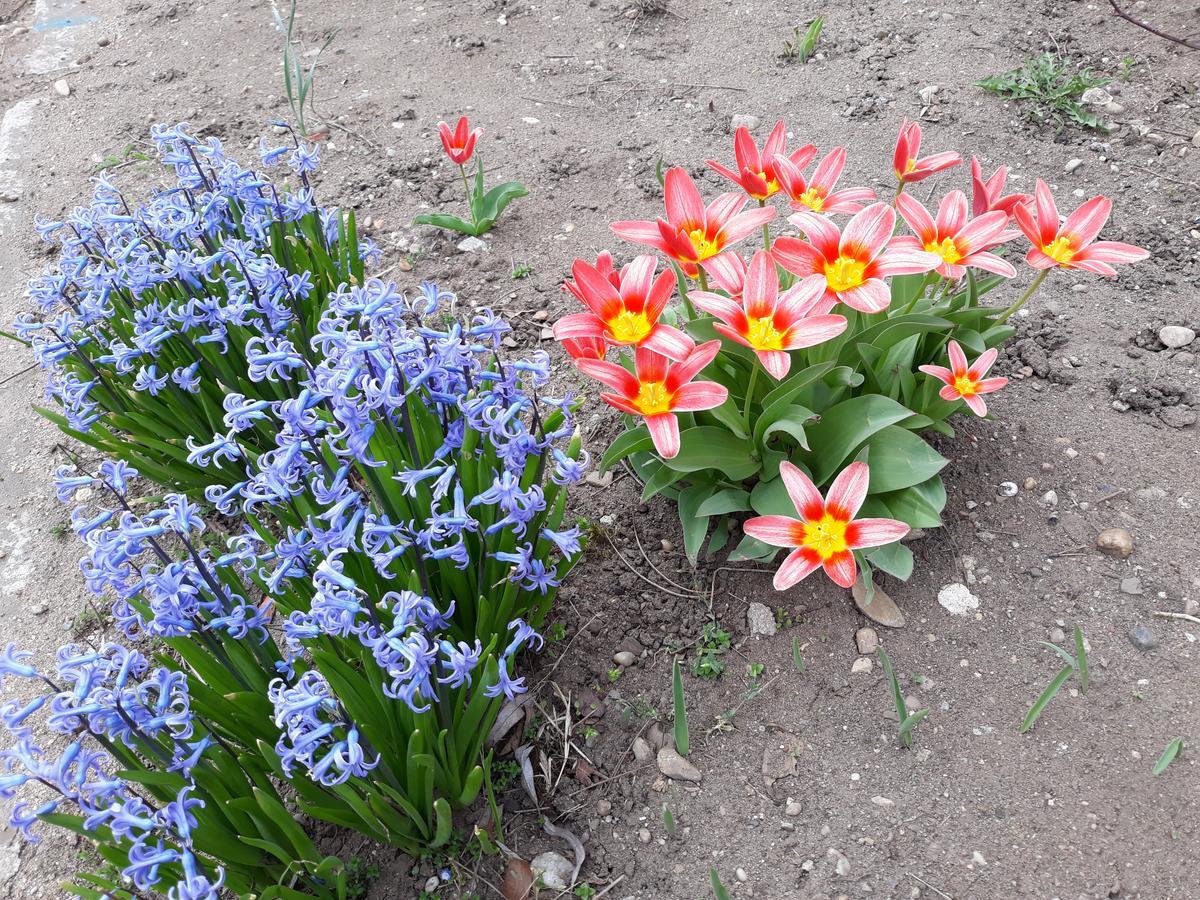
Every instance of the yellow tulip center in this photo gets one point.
(947, 250)
(1060, 250)
(629, 327)
(763, 335)
(966, 385)
(814, 199)
(652, 398)
(826, 536)
(704, 245)
(844, 273)
(772, 187)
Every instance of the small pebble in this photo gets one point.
(1176, 336)
(1073, 165)
(862, 666)
(644, 835)
(742, 875)
(624, 659)
(1142, 638)
(760, 620)
(1115, 542)
(1008, 489)
(62, 88)
(867, 641)
(1132, 586)
(1058, 636)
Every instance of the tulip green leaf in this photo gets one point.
(695, 526)
(770, 498)
(752, 550)
(710, 447)
(792, 423)
(895, 559)
(899, 458)
(635, 440)
(919, 506)
(443, 220)
(845, 427)
(725, 501)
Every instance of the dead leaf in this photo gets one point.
(585, 772)
(881, 609)
(576, 845)
(518, 880)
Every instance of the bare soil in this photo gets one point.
(580, 100)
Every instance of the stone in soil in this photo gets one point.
(1143, 638)
(862, 666)
(779, 759)
(761, 620)
(642, 751)
(472, 244)
(881, 609)
(957, 599)
(624, 659)
(555, 870)
(1115, 542)
(675, 767)
(867, 641)
(1176, 336)
(1132, 586)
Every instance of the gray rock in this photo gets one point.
(1008, 489)
(624, 659)
(793, 808)
(641, 750)
(1176, 336)
(1115, 542)
(62, 88)
(867, 641)
(862, 666)
(472, 244)
(1073, 165)
(761, 620)
(736, 122)
(1096, 96)
(1058, 636)
(1143, 638)
(1132, 586)
(555, 870)
(675, 767)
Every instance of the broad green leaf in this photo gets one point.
(1168, 756)
(724, 501)
(751, 549)
(635, 440)
(895, 559)
(695, 526)
(710, 447)
(900, 459)
(770, 498)
(792, 423)
(843, 429)
(495, 200)
(451, 223)
(920, 506)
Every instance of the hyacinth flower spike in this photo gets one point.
(853, 263)
(959, 242)
(771, 323)
(967, 382)
(693, 232)
(657, 390)
(826, 532)
(818, 193)
(625, 314)
(755, 172)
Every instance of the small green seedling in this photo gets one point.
(585, 892)
(1172, 750)
(1075, 663)
(755, 670)
(720, 892)
(522, 271)
(714, 641)
(668, 818)
(907, 722)
(1054, 92)
(802, 46)
(797, 656)
(614, 674)
(297, 83)
(682, 742)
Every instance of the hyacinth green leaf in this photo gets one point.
(682, 741)
(845, 427)
(900, 459)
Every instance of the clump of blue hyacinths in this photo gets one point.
(328, 627)
(152, 315)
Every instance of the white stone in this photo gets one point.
(1176, 336)
(62, 88)
(736, 122)
(957, 599)
(472, 244)
(555, 870)
(862, 666)
(761, 620)
(1073, 165)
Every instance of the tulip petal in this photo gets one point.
(669, 342)
(803, 493)
(664, 431)
(990, 385)
(697, 396)
(949, 392)
(636, 279)
(977, 405)
(798, 565)
(952, 213)
(776, 362)
(660, 295)
(579, 325)
(650, 365)
(820, 232)
(848, 491)
(990, 262)
(1112, 252)
(986, 360)
(762, 286)
(938, 372)
(863, 533)
(778, 531)
(727, 271)
(685, 208)
(871, 296)
(958, 359)
(1085, 223)
(685, 371)
(615, 376)
(1047, 213)
(903, 261)
(815, 330)
(724, 308)
(745, 223)
(798, 257)
(829, 169)
(841, 569)
(868, 232)
(917, 217)
(620, 403)
(637, 232)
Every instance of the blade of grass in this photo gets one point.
(808, 44)
(1067, 657)
(1168, 756)
(1047, 695)
(720, 892)
(682, 743)
(1081, 660)
(797, 657)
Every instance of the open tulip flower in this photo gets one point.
(727, 271)
(626, 313)
(989, 195)
(459, 143)
(909, 166)
(1073, 244)
(853, 264)
(756, 172)
(657, 390)
(826, 533)
(692, 232)
(967, 383)
(771, 323)
(959, 242)
(817, 193)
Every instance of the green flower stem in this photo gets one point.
(750, 398)
(899, 191)
(701, 277)
(1037, 283)
(766, 231)
(470, 197)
